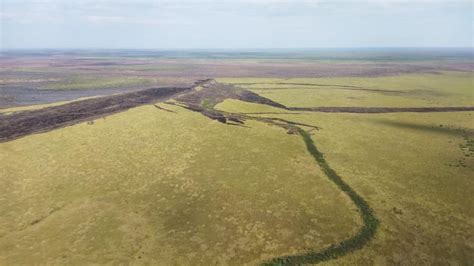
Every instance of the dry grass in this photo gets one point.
(413, 170)
(155, 187)
(165, 188)
(446, 89)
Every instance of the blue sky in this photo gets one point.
(234, 24)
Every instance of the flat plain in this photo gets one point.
(240, 167)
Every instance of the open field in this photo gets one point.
(413, 169)
(38, 77)
(441, 89)
(110, 195)
(239, 160)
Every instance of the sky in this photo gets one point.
(234, 24)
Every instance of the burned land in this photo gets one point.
(205, 160)
(29, 78)
(201, 97)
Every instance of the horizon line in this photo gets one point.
(233, 49)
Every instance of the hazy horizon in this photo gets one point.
(251, 49)
(234, 25)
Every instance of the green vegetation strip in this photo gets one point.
(365, 233)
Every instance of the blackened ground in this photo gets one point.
(202, 97)
(372, 110)
(13, 96)
(252, 97)
(20, 124)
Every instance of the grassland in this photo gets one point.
(128, 190)
(168, 185)
(442, 89)
(414, 170)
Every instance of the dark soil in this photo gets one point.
(200, 100)
(203, 100)
(214, 114)
(20, 124)
(164, 109)
(372, 110)
(299, 84)
(212, 93)
(13, 96)
(321, 86)
(252, 97)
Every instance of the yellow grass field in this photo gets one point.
(147, 186)
(156, 187)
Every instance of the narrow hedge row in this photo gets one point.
(365, 233)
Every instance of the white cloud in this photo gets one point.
(125, 19)
(156, 12)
